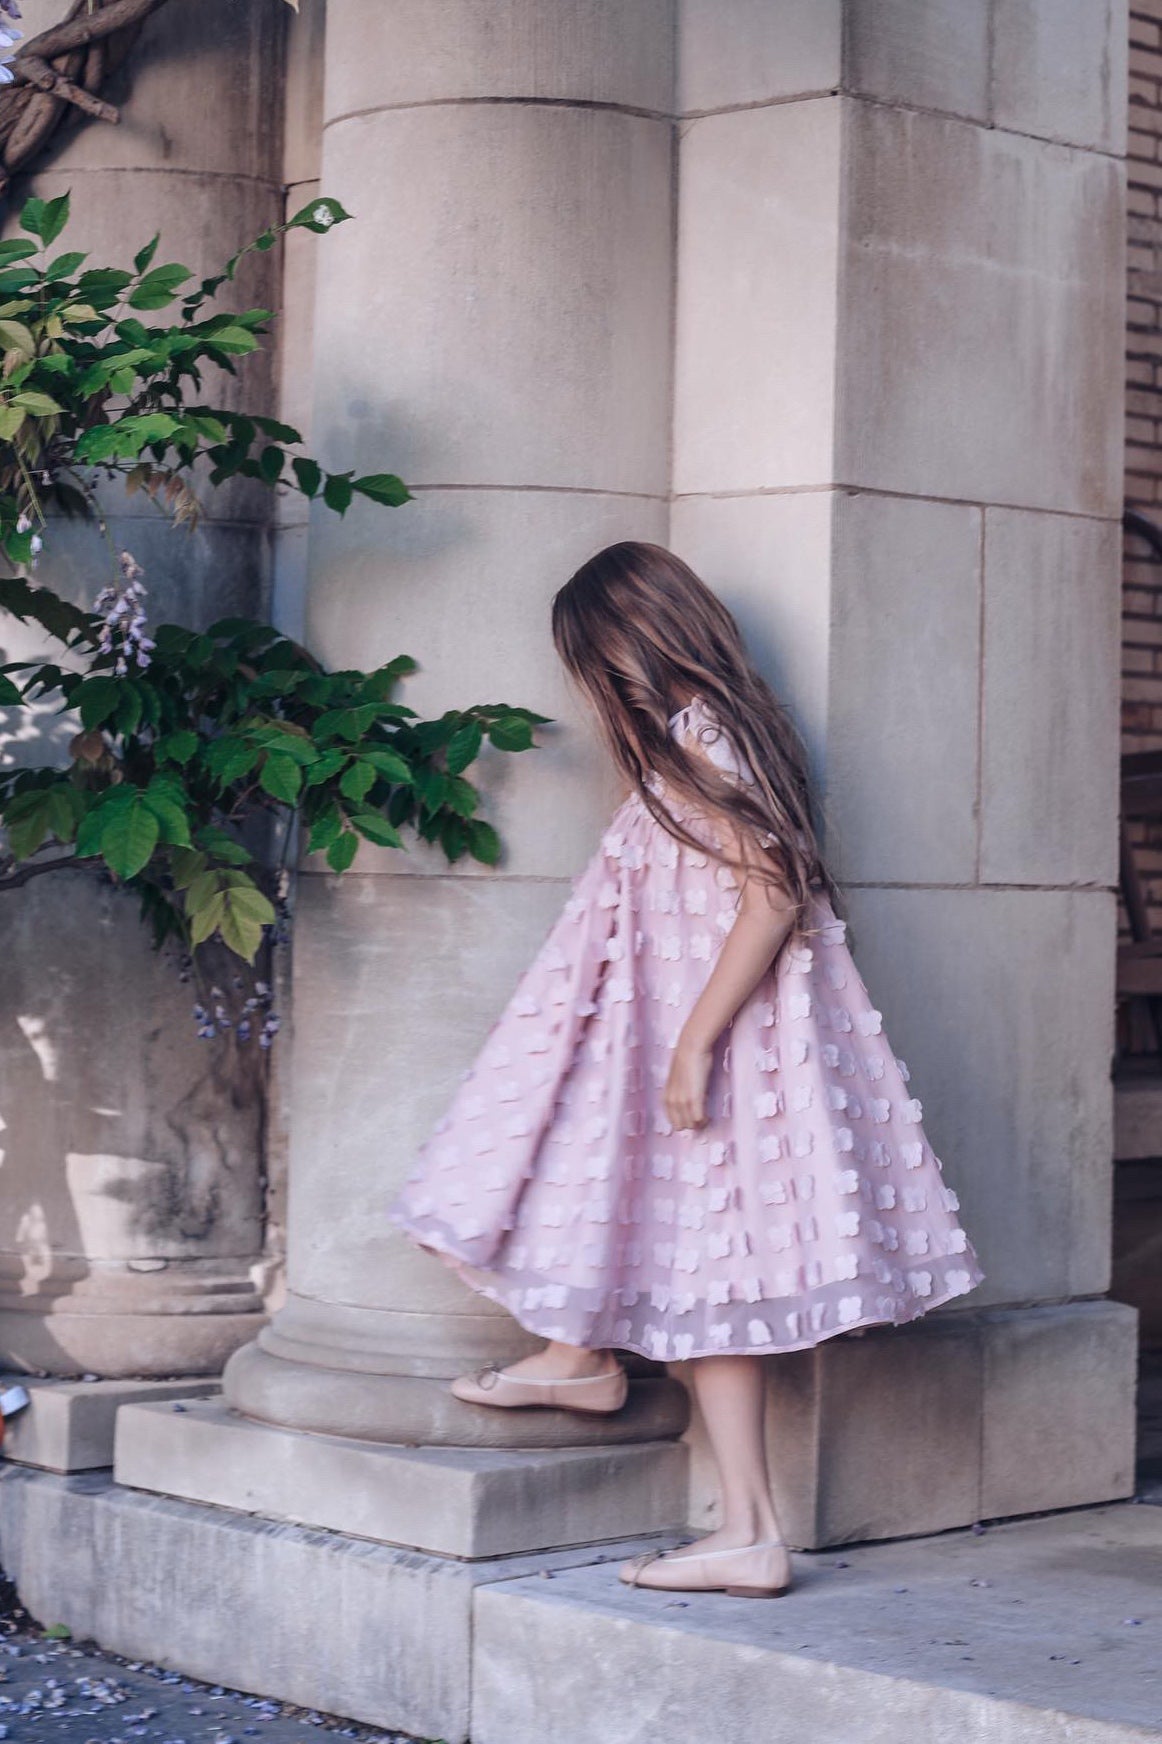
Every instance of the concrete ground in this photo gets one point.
(1047, 1628)
(61, 1692)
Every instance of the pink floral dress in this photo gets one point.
(811, 1203)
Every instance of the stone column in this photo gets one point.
(897, 452)
(131, 1205)
(495, 326)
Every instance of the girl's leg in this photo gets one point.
(731, 1392)
(732, 1395)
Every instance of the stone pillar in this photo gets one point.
(897, 452)
(495, 326)
(131, 1205)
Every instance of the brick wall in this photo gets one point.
(1142, 570)
(1142, 592)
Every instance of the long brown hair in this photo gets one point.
(643, 636)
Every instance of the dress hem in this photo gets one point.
(473, 1277)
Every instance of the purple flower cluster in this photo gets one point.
(124, 619)
(9, 37)
(255, 1012)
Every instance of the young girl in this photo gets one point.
(687, 1135)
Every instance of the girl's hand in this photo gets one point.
(684, 1097)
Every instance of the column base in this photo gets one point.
(128, 1319)
(124, 1346)
(470, 1503)
(418, 1410)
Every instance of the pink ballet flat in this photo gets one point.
(598, 1395)
(747, 1573)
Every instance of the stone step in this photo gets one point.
(1023, 1634)
(470, 1502)
(1031, 1632)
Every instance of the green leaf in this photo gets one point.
(346, 723)
(483, 842)
(11, 418)
(15, 248)
(271, 426)
(65, 805)
(511, 733)
(159, 287)
(205, 918)
(186, 864)
(324, 767)
(337, 492)
(55, 217)
(40, 405)
(388, 763)
(245, 912)
(281, 777)
(376, 828)
(45, 218)
(461, 796)
(144, 256)
(173, 823)
(320, 215)
(270, 463)
(222, 845)
(342, 851)
(65, 265)
(309, 475)
(27, 819)
(453, 836)
(357, 780)
(9, 695)
(383, 487)
(96, 698)
(176, 747)
(58, 1632)
(229, 759)
(15, 336)
(233, 339)
(127, 716)
(325, 829)
(464, 746)
(431, 787)
(129, 838)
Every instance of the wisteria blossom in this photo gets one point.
(124, 618)
(9, 37)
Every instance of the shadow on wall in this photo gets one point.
(130, 1182)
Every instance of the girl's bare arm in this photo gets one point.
(763, 921)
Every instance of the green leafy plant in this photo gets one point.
(199, 755)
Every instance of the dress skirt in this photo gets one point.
(812, 1202)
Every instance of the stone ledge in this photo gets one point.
(374, 1633)
(461, 1502)
(67, 1426)
(1013, 1636)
